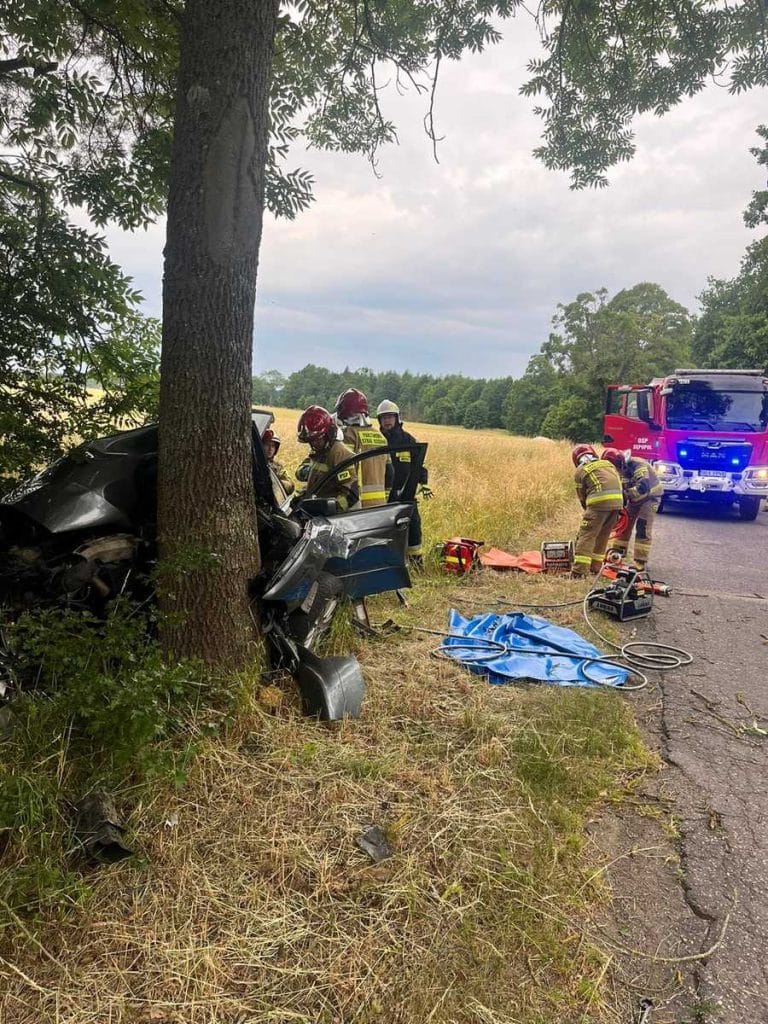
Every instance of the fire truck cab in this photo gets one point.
(705, 431)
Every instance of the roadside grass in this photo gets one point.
(250, 902)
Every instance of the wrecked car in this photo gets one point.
(83, 531)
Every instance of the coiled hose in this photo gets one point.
(633, 657)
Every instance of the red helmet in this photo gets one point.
(269, 436)
(615, 457)
(580, 450)
(351, 403)
(316, 427)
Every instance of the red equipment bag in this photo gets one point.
(460, 554)
(621, 523)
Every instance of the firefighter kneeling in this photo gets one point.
(643, 491)
(598, 487)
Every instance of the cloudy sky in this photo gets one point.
(457, 267)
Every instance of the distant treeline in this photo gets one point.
(595, 340)
(453, 399)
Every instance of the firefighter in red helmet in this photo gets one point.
(317, 428)
(598, 486)
(362, 436)
(271, 445)
(643, 492)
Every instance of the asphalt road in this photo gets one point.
(712, 712)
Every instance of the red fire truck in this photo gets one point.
(706, 432)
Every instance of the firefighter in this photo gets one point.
(317, 428)
(388, 415)
(271, 444)
(643, 492)
(361, 436)
(598, 486)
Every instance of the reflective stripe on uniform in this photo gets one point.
(582, 559)
(403, 456)
(601, 496)
(371, 439)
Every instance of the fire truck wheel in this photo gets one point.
(748, 508)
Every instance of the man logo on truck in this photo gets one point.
(706, 431)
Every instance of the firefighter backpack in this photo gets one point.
(460, 554)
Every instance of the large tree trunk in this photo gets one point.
(208, 541)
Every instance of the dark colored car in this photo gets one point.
(84, 530)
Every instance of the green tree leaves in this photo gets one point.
(638, 334)
(733, 328)
(609, 60)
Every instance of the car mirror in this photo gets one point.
(319, 507)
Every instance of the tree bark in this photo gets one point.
(206, 510)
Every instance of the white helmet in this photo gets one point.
(387, 406)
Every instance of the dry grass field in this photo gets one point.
(250, 902)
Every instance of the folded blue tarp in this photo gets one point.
(534, 649)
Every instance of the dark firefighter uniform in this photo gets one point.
(371, 473)
(598, 486)
(402, 470)
(644, 492)
(343, 486)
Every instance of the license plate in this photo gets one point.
(714, 474)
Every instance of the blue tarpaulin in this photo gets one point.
(534, 648)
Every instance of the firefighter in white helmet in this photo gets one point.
(388, 414)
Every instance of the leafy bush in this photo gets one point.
(99, 709)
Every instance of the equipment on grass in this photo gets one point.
(613, 565)
(460, 554)
(557, 556)
(628, 595)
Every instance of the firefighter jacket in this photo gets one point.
(640, 482)
(282, 475)
(371, 473)
(402, 460)
(342, 486)
(598, 485)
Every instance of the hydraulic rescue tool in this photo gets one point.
(628, 595)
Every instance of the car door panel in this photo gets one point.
(364, 549)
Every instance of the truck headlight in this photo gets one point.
(757, 473)
(668, 469)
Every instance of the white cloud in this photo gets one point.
(458, 266)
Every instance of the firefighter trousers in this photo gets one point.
(415, 549)
(592, 539)
(640, 518)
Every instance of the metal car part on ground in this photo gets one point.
(83, 531)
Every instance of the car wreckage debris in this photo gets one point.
(99, 831)
(374, 842)
(82, 533)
